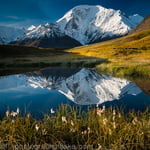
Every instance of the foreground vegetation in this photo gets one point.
(68, 126)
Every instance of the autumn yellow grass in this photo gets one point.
(128, 56)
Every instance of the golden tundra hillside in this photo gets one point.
(128, 56)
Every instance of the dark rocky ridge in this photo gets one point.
(52, 42)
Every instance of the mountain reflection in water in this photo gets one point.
(40, 91)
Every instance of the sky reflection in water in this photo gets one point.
(15, 92)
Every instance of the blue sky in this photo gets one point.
(26, 12)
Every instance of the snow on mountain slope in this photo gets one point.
(85, 24)
(47, 36)
(88, 23)
(32, 27)
(47, 30)
(8, 34)
(86, 86)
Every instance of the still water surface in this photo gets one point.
(40, 91)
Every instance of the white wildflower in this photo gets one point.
(105, 121)
(18, 111)
(7, 113)
(119, 115)
(114, 125)
(64, 119)
(114, 112)
(72, 130)
(100, 111)
(84, 132)
(52, 111)
(142, 133)
(89, 130)
(134, 121)
(110, 132)
(14, 114)
(44, 132)
(99, 147)
(28, 115)
(113, 118)
(36, 127)
(103, 109)
(72, 123)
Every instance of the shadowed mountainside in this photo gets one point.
(9, 51)
(45, 42)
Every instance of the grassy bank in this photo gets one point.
(128, 56)
(99, 128)
(20, 59)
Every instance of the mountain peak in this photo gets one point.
(87, 23)
(31, 28)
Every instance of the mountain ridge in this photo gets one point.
(90, 23)
(8, 34)
(84, 24)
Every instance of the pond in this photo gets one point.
(39, 91)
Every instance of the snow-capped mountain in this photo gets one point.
(8, 34)
(32, 27)
(47, 30)
(48, 35)
(85, 86)
(81, 25)
(88, 24)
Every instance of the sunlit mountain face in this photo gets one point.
(84, 24)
